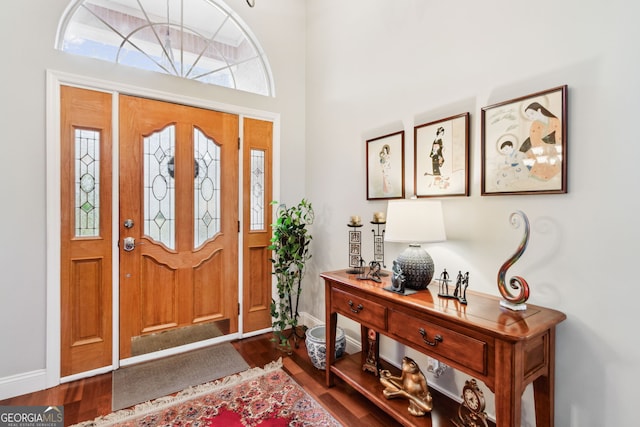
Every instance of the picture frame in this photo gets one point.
(385, 167)
(441, 157)
(524, 145)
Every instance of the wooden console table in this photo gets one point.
(507, 350)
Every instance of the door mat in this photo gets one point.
(149, 380)
(176, 337)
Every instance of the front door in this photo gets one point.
(178, 224)
(177, 203)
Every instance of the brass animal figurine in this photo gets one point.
(411, 385)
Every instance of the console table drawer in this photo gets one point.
(441, 341)
(359, 309)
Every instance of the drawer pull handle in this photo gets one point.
(436, 339)
(358, 308)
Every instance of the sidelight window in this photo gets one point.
(257, 190)
(87, 183)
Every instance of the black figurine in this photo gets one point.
(374, 271)
(460, 291)
(458, 284)
(398, 278)
(444, 284)
(463, 295)
(398, 281)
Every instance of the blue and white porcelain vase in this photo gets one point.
(317, 346)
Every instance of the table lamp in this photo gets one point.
(415, 222)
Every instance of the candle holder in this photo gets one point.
(378, 244)
(356, 263)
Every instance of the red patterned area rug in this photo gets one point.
(259, 397)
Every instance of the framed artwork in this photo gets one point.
(441, 160)
(385, 167)
(524, 144)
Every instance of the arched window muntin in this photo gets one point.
(201, 40)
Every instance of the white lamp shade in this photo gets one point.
(415, 221)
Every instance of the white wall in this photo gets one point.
(29, 31)
(376, 66)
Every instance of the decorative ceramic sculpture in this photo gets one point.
(515, 301)
(411, 385)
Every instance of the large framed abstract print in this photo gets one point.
(441, 157)
(385, 167)
(524, 144)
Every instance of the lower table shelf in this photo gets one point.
(349, 369)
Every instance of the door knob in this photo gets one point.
(129, 244)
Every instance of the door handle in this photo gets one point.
(129, 244)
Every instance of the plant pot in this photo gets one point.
(317, 347)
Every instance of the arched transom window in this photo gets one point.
(194, 39)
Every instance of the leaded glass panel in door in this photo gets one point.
(257, 190)
(206, 188)
(159, 186)
(87, 182)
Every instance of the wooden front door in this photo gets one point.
(178, 219)
(178, 209)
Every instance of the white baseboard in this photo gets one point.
(27, 382)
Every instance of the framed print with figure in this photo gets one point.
(524, 145)
(441, 157)
(385, 167)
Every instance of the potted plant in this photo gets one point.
(291, 251)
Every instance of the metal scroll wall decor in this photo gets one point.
(517, 292)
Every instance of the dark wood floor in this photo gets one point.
(89, 398)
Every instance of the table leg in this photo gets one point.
(508, 385)
(543, 387)
(330, 342)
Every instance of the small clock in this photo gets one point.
(471, 411)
